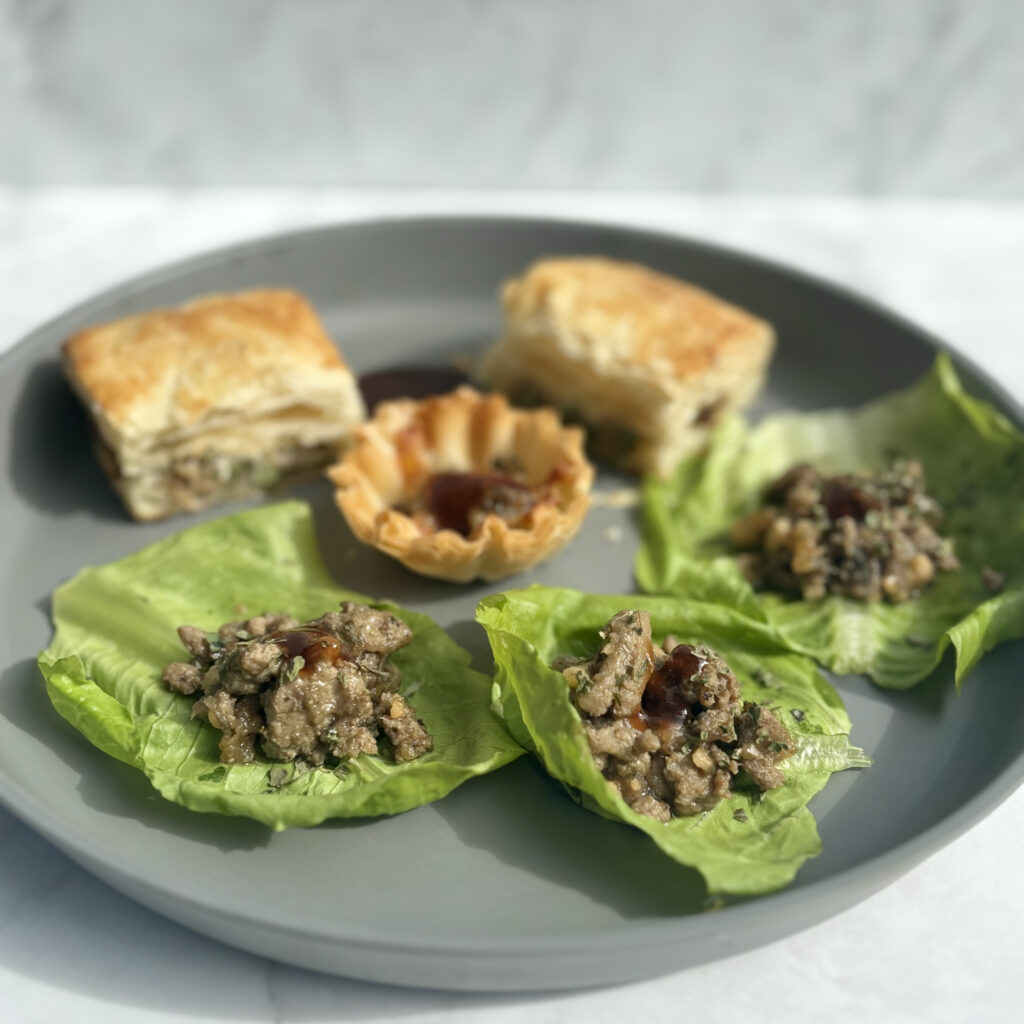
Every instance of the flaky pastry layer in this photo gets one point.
(627, 349)
(394, 456)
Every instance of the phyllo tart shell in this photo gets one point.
(464, 486)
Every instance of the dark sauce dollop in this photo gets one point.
(450, 498)
(314, 645)
(409, 382)
(843, 497)
(664, 700)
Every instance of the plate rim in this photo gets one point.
(847, 886)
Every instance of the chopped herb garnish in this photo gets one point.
(216, 642)
(798, 715)
(740, 815)
(408, 691)
(582, 682)
(298, 663)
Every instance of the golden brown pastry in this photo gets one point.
(647, 362)
(463, 486)
(217, 398)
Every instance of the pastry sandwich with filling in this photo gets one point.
(647, 362)
(223, 396)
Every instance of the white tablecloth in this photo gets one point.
(941, 944)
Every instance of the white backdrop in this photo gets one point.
(873, 97)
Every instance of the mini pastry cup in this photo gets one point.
(395, 454)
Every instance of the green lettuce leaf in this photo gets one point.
(974, 465)
(116, 631)
(751, 843)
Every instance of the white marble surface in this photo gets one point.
(941, 944)
(919, 97)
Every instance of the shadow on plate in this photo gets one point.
(934, 748)
(51, 463)
(53, 938)
(930, 697)
(470, 635)
(361, 567)
(545, 833)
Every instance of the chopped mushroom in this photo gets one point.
(872, 538)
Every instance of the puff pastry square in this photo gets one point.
(647, 362)
(221, 397)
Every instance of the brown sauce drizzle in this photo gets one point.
(451, 497)
(708, 414)
(664, 701)
(409, 382)
(843, 497)
(314, 645)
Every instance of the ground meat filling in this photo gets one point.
(869, 538)
(667, 726)
(197, 478)
(309, 691)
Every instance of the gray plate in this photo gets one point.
(505, 884)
